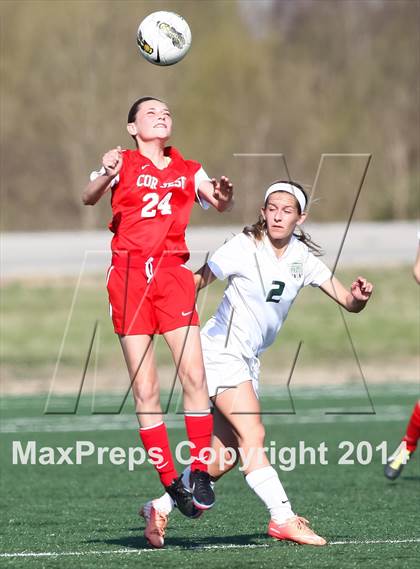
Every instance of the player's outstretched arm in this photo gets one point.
(111, 162)
(218, 194)
(203, 277)
(354, 300)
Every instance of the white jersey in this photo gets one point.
(259, 294)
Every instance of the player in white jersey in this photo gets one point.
(261, 290)
(266, 266)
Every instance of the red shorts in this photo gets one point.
(150, 297)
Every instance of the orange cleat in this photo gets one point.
(295, 529)
(156, 523)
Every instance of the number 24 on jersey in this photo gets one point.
(153, 205)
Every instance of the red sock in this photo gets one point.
(199, 430)
(156, 437)
(412, 434)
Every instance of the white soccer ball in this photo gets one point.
(164, 38)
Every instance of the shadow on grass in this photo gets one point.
(410, 478)
(139, 542)
(399, 481)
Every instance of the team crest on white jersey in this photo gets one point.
(296, 270)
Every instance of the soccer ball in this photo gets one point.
(164, 38)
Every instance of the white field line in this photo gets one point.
(84, 423)
(375, 541)
(193, 548)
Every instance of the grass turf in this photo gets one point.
(387, 330)
(91, 510)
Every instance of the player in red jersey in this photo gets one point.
(404, 452)
(150, 289)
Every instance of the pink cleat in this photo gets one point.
(156, 523)
(295, 529)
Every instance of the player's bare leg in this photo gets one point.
(225, 444)
(139, 356)
(241, 408)
(185, 345)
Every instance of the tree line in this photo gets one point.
(266, 90)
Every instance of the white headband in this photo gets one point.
(290, 189)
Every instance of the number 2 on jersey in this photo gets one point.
(275, 293)
(154, 205)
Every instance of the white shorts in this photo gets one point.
(227, 369)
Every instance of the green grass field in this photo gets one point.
(37, 316)
(86, 515)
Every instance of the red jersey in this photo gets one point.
(151, 207)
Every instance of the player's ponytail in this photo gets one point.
(256, 230)
(307, 240)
